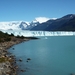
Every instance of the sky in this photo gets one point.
(28, 10)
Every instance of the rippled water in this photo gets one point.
(49, 56)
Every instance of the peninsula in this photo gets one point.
(7, 61)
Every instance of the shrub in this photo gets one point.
(7, 39)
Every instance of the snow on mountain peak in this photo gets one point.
(17, 25)
(11, 25)
(27, 23)
(41, 19)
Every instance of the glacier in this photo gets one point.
(20, 28)
(28, 33)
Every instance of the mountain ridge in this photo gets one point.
(55, 25)
(23, 25)
(65, 23)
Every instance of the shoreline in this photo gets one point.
(8, 64)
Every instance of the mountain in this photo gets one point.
(37, 21)
(68, 26)
(42, 26)
(12, 25)
(65, 23)
(22, 25)
(56, 24)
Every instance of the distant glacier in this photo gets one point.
(39, 33)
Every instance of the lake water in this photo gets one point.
(53, 55)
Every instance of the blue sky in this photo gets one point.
(11, 10)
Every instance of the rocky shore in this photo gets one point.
(7, 61)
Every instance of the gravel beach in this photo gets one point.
(7, 62)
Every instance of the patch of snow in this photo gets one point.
(41, 19)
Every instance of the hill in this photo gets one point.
(65, 23)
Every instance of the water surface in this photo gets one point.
(53, 55)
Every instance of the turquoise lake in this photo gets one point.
(52, 55)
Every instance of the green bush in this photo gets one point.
(2, 60)
(12, 34)
(17, 36)
(22, 37)
(7, 39)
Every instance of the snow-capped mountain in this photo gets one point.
(65, 23)
(22, 25)
(14, 25)
(57, 27)
(40, 19)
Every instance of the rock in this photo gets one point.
(13, 48)
(20, 60)
(72, 74)
(8, 72)
(22, 70)
(28, 59)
